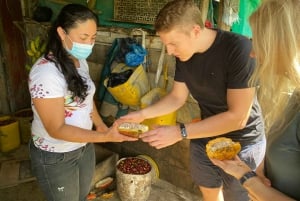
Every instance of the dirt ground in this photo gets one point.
(28, 191)
(22, 189)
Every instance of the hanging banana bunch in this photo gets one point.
(36, 48)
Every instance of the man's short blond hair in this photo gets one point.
(178, 13)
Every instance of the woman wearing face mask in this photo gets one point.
(61, 149)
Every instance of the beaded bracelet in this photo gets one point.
(247, 176)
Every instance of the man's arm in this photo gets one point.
(239, 106)
(171, 102)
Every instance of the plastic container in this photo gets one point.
(9, 134)
(25, 117)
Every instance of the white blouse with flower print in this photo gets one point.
(46, 81)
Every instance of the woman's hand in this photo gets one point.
(234, 167)
(112, 135)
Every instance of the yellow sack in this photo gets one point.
(151, 97)
(156, 94)
(130, 92)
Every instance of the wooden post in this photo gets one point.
(221, 24)
(13, 59)
(204, 9)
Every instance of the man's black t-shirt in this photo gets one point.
(208, 75)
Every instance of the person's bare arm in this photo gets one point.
(262, 192)
(239, 106)
(52, 114)
(260, 173)
(97, 120)
(169, 103)
(254, 185)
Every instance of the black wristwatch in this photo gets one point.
(247, 176)
(183, 130)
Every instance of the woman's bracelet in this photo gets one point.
(247, 176)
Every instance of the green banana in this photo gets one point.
(32, 46)
(37, 41)
(35, 50)
(37, 54)
(29, 52)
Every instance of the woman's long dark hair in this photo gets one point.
(68, 18)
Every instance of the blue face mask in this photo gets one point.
(79, 50)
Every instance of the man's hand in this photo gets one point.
(162, 136)
(136, 117)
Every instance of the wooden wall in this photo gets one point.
(14, 93)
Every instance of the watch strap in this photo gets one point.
(183, 130)
(247, 176)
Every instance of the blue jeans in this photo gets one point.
(64, 176)
(206, 174)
